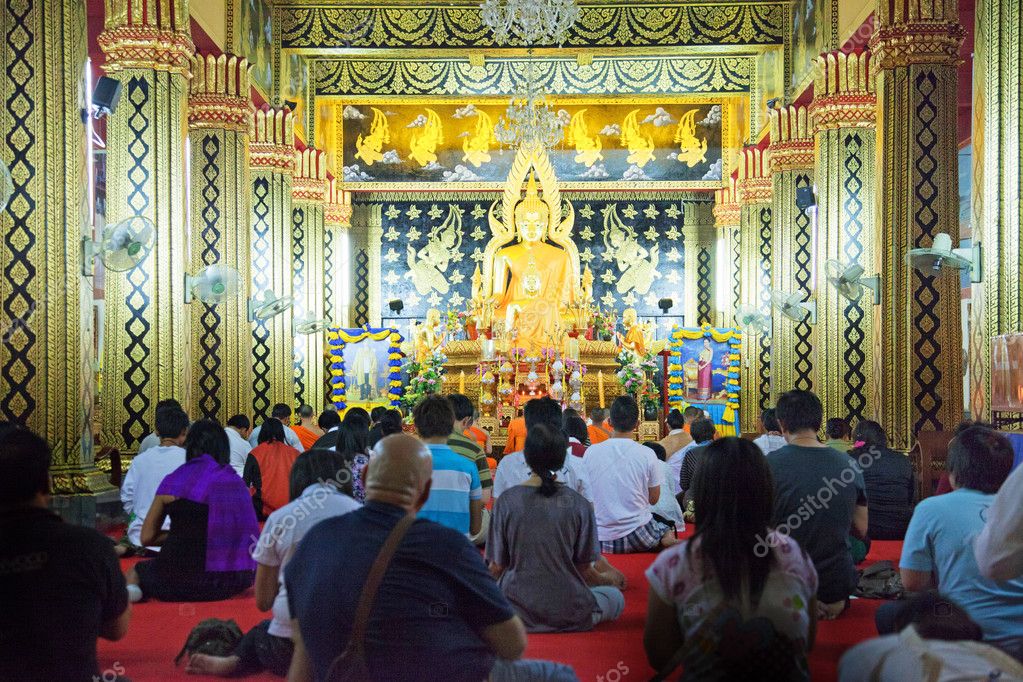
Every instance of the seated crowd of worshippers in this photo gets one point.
(422, 558)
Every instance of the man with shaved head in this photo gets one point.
(438, 614)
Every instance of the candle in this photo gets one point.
(600, 388)
(461, 382)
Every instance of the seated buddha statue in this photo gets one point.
(533, 284)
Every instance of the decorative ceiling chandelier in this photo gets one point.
(533, 22)
(530, 119)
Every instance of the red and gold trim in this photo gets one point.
(339, 205)
(219, 93)
(272, 140)
(726, 205)
(844, 95)
(754, 183)
(791, 139)
(310, 180)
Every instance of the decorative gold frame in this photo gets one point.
(730, 103)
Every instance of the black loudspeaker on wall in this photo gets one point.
(805, 198)
(105, 96)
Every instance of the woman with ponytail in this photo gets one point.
(543, 550)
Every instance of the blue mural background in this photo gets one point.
(656, 224)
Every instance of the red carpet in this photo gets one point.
(158, 630)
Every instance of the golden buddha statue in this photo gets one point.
(533, 281)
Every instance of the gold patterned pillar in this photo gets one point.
(699, 239)
(917, 334)
(727, 215)
(374, 248)
(272, 162)
(219, 114)
(792, 162)
(308, 200)
(146, 323)
(46, 380)
(997, 176)
(755, 264)
(358, 278)
(843, 113)
(337, 219)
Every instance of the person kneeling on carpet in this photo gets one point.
(204, 555)
(543, 548)
(401, 598)
(316, 487)
(936, 640)
(62, 586)
(737, 600)
(625, 480)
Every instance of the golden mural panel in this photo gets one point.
(659, 143)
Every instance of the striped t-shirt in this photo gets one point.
(455, 482)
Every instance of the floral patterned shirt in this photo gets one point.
(358, 485)
(725, 641)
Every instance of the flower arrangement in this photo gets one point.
(604, 324)
(637, 378)
(423, 378)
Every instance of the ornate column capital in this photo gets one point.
(754, 183)
(791, 139)
(339, 205)
(136, 36)
(843, 95)
(272, 140)
(916, 33)
(310, 181)
(219, 93)
(727, 211)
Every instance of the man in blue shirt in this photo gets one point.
(438, 614)
(939, 542)
(456, 496)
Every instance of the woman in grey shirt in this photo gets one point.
(543, 550)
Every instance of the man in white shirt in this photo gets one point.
(625, 479)
(149, 468)
(238, 429)
(512, 470)
(772, 439)
(999, 547)
(152, 440)
(281, 413)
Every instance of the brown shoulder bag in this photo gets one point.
(351, 665)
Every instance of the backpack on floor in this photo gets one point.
(212, 636)
(879, 580)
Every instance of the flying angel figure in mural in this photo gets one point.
(587, 148)
(637, 265)
(370, 148)
(691, 149)
(640, 146)
(477, 145)
(429, 266)
(426, 138)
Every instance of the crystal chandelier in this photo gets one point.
(530, 119)
(533, 22)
